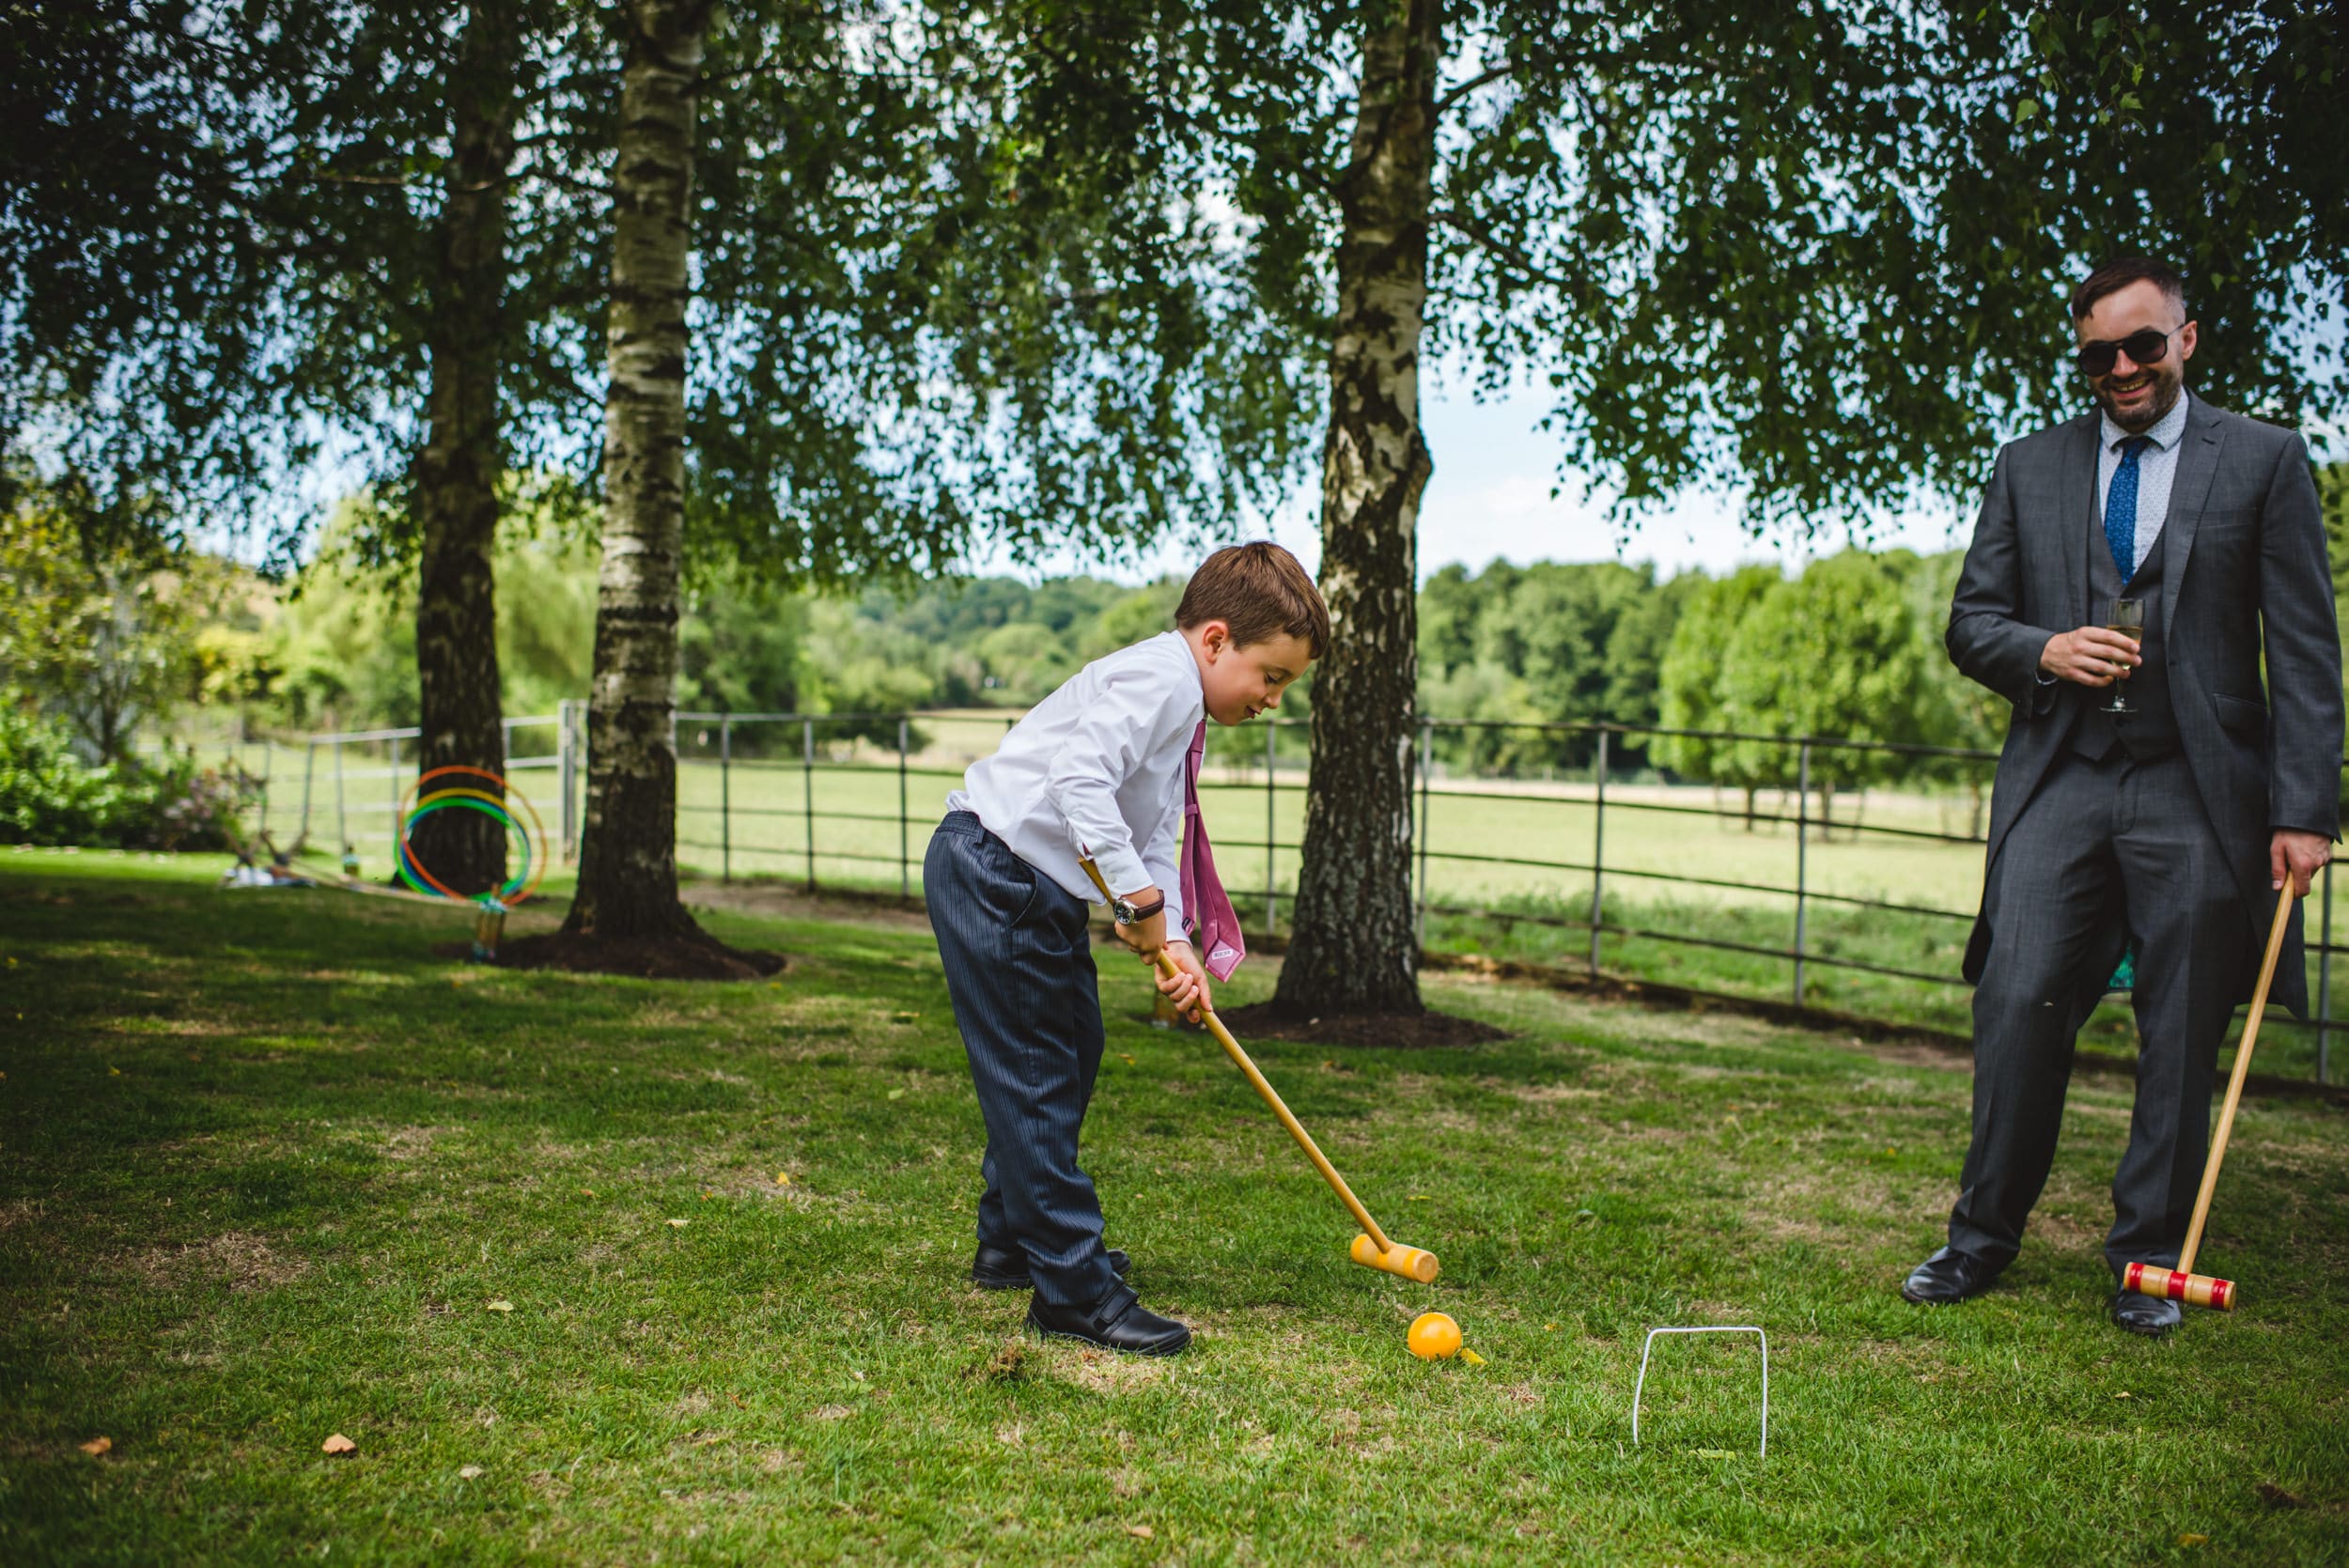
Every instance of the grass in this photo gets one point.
(265, 1167)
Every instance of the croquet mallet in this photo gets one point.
(1372, 1249)
(2182, 1283)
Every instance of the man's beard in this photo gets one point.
(2167, 391)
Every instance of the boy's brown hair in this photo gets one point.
(1259, 590)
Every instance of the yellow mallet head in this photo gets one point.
(1409, 1262)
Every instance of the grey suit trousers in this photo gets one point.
(1018, 950)
(2104, 851)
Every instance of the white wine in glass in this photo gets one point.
(2127, 618)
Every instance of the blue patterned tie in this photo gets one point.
(2121, 508)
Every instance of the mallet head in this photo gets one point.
(2195, 1290)
(1409, 1262)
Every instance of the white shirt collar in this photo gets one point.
(2165, 434)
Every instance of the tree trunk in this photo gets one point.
(455, 477)
(1353, 947)
(627, 854)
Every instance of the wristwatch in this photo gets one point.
(1127, 912)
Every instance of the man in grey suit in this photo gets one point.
(2173, 824)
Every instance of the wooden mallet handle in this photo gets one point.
(2182, 1283)
(1372, 1249)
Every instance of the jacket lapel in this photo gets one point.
(2080, 484)
(2197, 465)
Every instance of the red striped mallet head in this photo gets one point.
(2195, 1290)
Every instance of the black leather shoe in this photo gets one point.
(1118, 1321)
(1949, 1276)
(2150, 1316)
(1006, 1269)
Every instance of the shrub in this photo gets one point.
(50, 796)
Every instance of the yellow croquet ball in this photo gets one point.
(1435, 1337)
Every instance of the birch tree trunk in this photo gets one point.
(455, 476)
(627, 855)
(1353, 947)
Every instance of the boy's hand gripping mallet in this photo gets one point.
(1372, 1249)
(2182, 1283)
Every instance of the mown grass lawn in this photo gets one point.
(266, 1167)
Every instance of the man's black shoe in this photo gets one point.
(2150, 1316)
(1949, 1276)
(1118, 1321)
(1003, 1269)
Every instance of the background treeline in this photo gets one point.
(106, 647)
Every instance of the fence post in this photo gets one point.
(2325, 983)
(342, 824)
(725, 796)
(1426, 767)
(392, 794)
(309, 771)
(1599, 855)
(1271, 897)
(905, 853)
(1803, 859)
(807, 792)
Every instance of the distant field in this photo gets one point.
(870, 826)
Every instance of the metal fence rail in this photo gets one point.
(749, 797)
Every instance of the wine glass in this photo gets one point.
(2127, 618)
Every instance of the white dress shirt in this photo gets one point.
(2156, 471)
(1098, 766)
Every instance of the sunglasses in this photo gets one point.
(2143, 347)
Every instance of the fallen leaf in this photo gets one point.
(680, 1224)
(501, 1306)
(113, 1072)
(783, 1178)
(1142, 1533)
(586, 1192)
(468, 1472)
(706, 1195)
(1420, 1197)
(338, 1444)
(2124, 1394)
(1472, 1357)
(2192, 1540)
(1715, 1454)
(1549, 1327)
(97, 1446)
(896, 1093)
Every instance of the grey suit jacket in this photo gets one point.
(2246, 574)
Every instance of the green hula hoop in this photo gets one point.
(427, 807)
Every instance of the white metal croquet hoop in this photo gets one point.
(1742, 1329)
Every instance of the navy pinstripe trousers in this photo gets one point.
(1019, 965)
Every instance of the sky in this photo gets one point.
(1491, 498)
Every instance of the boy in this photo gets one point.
(1106, 767)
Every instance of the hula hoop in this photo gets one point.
(469, 800)
(518, 889)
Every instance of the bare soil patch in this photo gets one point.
(691, 957)
(238, 1259)
(1273, 1020)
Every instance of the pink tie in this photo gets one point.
(1206, 909)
